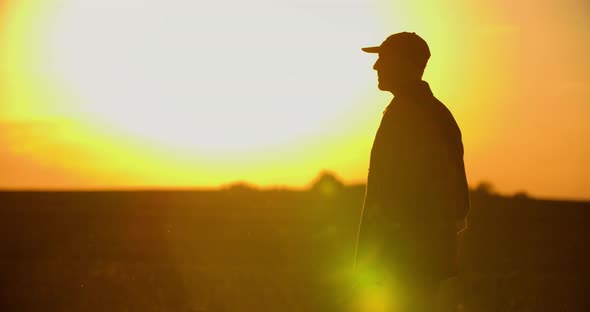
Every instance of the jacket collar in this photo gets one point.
(413, 89)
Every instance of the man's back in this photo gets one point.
(416, 187)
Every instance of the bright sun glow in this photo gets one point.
(135, 93)
(189, 93)
(199, 93)
(211, 77)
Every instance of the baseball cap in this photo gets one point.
(405, 44)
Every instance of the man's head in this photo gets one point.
(402, 59)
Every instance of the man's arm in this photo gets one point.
(463, 202)
(444, 169)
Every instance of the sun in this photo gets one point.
(207, 78)
(194, 93)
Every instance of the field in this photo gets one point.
(243, 249)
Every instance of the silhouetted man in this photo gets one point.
(416, 193)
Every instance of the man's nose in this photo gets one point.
(376, 66)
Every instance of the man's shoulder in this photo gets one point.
(442, 113)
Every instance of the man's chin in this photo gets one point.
(383, 87)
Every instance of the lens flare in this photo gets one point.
(376, 291)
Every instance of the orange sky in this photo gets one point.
(128, 93)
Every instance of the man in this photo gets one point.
(416, 193)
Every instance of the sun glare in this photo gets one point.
(211, 77)
(190, 86)
(267, 91)
(201, 93)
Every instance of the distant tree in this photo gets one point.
(326, 183)
(521, 195)
(484, 188)
(241, 186)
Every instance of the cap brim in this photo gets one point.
(371, 49)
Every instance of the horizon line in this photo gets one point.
(248, 187)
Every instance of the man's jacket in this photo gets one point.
(416, 188)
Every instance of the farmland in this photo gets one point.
(244, 249)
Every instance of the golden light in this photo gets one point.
(195, 79)
(210, 78)
(376, 291)
(132, 93)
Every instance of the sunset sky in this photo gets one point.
(145, 93)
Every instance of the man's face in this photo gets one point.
(392, 71)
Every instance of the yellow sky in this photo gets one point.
(129, 93)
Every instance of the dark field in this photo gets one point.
(247, 250)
